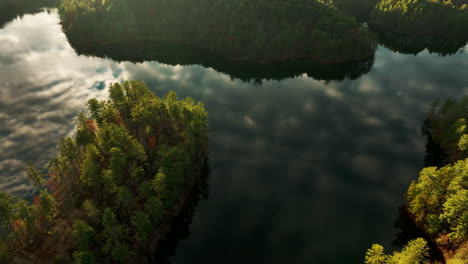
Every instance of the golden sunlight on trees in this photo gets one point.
(105, 199)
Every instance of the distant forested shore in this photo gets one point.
(256, 31)
(229, 35)
(245, 37)
(441, 18)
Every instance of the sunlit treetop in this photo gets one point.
(128, 171)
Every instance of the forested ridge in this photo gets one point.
(113, 191)
(261, 31)
(443, 18)
(437, 202)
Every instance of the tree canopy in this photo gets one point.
(260, 31)
(112, 190)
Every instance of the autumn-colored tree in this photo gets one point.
(102, 183)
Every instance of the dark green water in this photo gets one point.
(303, 170)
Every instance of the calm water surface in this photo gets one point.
(303, 171)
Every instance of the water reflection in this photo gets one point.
(251, 31)
(407, 227)
(408, 230)
(241, 41)
(407, 44)
(186, 55)
(43, 88)
(10, 9)
(303, 171)
(180, 224)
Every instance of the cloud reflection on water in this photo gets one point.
(44, 85)
(304, 171)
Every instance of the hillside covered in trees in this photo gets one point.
(255, 31)
(441, 18)
(438, 201)
(115, 191)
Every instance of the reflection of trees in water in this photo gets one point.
(435, 155)
(249, 40)
(10, 9)
(185, 55)
(408, 229)
(179, 227)
(413, 45)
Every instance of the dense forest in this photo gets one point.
(437, 202)
(410, 26)
(270, 39)
(256, 31)
(442, 18)
(137, 163)
(114, 191)
(221, 33)
(360, 9)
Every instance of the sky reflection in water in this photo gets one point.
(303, 171)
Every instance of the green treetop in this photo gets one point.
(103, 199)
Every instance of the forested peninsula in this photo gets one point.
(437, 203)
(116, 190)
(255, 31)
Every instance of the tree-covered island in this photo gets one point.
(437, 203)
(255, 31)
(113, 192)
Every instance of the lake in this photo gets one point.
(303, 170)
